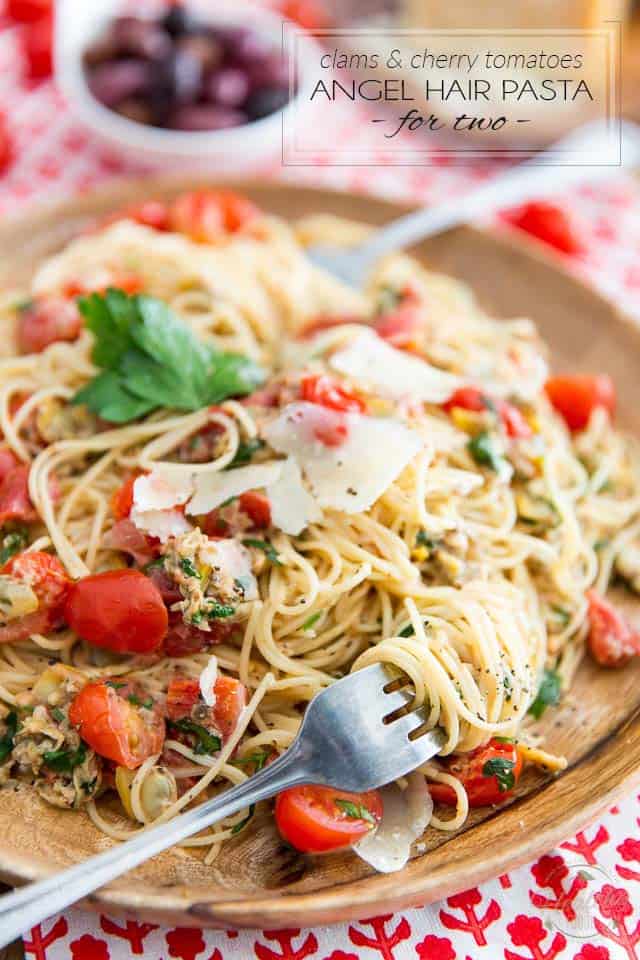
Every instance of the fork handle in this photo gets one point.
(24, 908)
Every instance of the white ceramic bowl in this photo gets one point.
(236, 149)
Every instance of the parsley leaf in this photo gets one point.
(206, 742)
(12, 543)
(242, 824)
(151, 359)
(257, 759)
(219, 610)
(188, 568)
(64, 761)
(137, 702)
(423, 540)
(58, 714)
(502, 770)
(312, 620)
(548, 694)
(115, 684)
(6, 742)
(245, 452)
(407, 631)
(355, 811)
(483, 450)
(269, 550)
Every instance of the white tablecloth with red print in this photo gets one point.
(581, 901)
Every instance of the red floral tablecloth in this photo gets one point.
(581, 901)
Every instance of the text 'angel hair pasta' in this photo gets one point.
(227, 480)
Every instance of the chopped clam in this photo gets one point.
(158, 791)
(17, 599)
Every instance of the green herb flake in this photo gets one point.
(88, 786)
(548, 694)
(355, 811)
(188, 568)
(12, 543)
(562, 614)
(424, 540)
(245, 452)
(502, 770)
(150, 359)
(64, 761)
(137, 702)
(482, 449)
(267, 548)
(58, 714)
(242, 824)
(115, 684)
(218, 611)
(256, 759)
(7, 741)
(407, 631)
(206, 742)
(311, 621)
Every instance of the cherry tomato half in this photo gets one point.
(46, 321)
(49, 581)
(113, 726)
(324, 390)
(576, 397)
(488, 774)
(612, 641)
(316, 819)
(207, 215)
(230, 700)
(121, 610)
(122, 499)
(471, 398)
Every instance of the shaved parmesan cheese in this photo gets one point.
(208, 679)
(235, 560)
(161, 490)
(351, 476)
(395, 373)
(212, 489)
(162, 524)
(292, 506)
(406, 815)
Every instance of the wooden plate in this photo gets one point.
(259, 882)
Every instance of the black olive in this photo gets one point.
(263, 102)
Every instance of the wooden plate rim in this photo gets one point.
(500, 837)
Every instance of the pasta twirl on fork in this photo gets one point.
(227, 480)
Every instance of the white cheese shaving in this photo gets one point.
(395, 373)
(292, 506)
(351, 476)
(208, 679)
(212, 489)
(406, 815)
(161, 490)
(235, 560)
(162, 524)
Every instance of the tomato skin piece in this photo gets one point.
(324, 390)
(401, 325)
(546, 222)
(121, 610)
(207, 215)
(257, 507)
(612, 641)
(309, 819)
(15, 503)
(122, 499)
(576, 397)
(46, 321)
(230, 700)
(471, 398)
(114, 727)
(482, 791)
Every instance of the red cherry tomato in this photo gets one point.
(400, 326)
(316, 819)
(612, 641)
(257, 507)
(122, 499)
(121, 610)
(49, 581)
(207, 215)
(15, 503)
(26, 11)
(38, 47)
(324, 390)
(485, 773)
(230, 700)
(576, 397)
(6, 146)
(114, 727)
(471, 398)
(47, 321)
(548, 223)
(151, 213)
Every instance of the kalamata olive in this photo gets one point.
(100, 51)
(203, 47)
(271, 71)
(135, 37)
(112, 82)
(228, 87)
(136, 109)
(263, 102)
(244, 46)
(186, 73)
(177, 21)
(200, 117)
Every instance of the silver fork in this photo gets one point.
(537, 176)
(356, 735)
